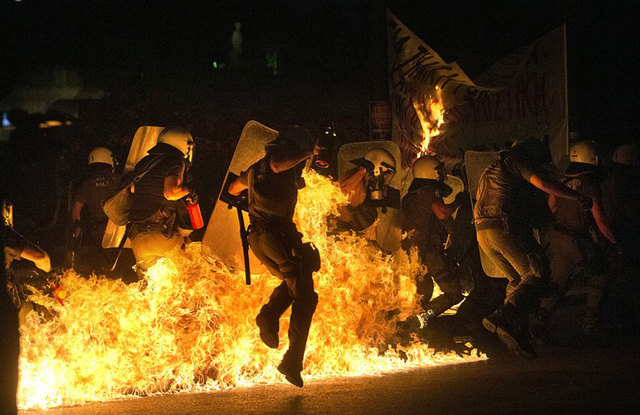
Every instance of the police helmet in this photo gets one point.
(382, 162)
(428, 167)
(178, 138)
(296, 136)
(584, 152)
(627, 154)
(102, 155)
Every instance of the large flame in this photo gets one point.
(431, 115)
(189, 326)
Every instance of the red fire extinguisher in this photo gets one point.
(59, 293)
(194, 211)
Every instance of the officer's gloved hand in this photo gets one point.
(585, 202)
(192, 197)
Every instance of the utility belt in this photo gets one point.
(139, 228)
(490, 224)
(508, 226)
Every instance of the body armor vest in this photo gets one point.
(148, 198)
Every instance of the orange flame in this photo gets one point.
(189, 325)
(431, 116)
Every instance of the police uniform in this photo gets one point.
(506, 205)
(154, 220)
(99, 183)
(428, 234)
(276, 242)
(572, 239)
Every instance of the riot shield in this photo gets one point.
(145, 138)
(389, 225)
(221, 241)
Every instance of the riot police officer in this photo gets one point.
(272, 185)
(367, 187)
(503, 219)
(87, 217)
(427, 221)
(575, 237)
(158, 217)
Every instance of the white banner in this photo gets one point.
(522, 95)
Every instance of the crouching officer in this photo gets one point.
(273, 184)
(504, 226)
(576, 238)
(157, 216)
(427, 221)
(88, 220)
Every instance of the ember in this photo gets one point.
(189, 326)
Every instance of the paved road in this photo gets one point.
(561, 380)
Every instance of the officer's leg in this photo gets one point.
(564, 256)
(529, 262)
(267, 248)
(149, 247)
(304, 305)
(511, 321)
(447, 281)
(489, 243)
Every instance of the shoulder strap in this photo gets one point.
(151, 165)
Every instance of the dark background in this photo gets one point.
(325, 45)
(155, 60)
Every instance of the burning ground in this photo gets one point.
(189, 326)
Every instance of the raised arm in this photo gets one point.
(556, 188)
(282, 161)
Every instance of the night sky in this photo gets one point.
(335, 39)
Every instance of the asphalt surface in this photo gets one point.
(562, 380)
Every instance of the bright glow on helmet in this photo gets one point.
(382, 161)
(102, 155)
(584, 152)
(428, 167)
(178, 138)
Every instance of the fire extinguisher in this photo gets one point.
(59, 293)
(194, 211)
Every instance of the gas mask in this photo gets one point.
(381, 166)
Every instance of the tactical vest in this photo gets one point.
(148, 198)
(272, 196)
(102, 183)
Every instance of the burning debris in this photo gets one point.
(189, 325)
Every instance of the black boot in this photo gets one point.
(511, 326)
(291, 372)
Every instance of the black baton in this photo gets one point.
(245, 246)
